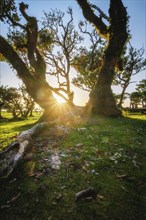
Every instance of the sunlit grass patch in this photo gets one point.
(10, 129)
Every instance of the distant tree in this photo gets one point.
(114, 30)
(14, 102)
(118, 97)
(65, 46)
(133, 63)
(3, 98)
(135, 99)
(10, 99)
(141, 88)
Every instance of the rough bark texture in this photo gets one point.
(101, 98)
(34, 76)
(10, 157)
(36, 86)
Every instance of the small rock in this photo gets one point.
(55, 161)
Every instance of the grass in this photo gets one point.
(107, 154)
(10, 129)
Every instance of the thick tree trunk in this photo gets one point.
(36, 85)
(101, 98)
(33, 74)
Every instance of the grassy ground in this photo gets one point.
(106, 154)
(10, 129)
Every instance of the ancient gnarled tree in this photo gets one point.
(26, 58)
(115, 31)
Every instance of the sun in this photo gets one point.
(59, 99)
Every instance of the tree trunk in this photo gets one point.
(32, 74)
(14, 114)
(1, 113)
(122, 96)
(36, 85)
(101, 97)
(31, 113)
(1, 107)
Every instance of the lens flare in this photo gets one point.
(59, 99)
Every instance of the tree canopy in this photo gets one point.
(54, 48)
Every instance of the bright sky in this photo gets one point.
(136, 10)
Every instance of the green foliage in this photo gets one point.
(106, 154)
(132, 62)
(87, 75)
(88, 62)
(141, 89)
(135, 98)
(16, 101)
(8, 8)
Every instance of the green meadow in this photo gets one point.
(107, 154)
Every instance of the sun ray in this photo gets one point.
(59, 99)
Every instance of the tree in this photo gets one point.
(10, 99)
(3, 98)
(101, 97)
(33, 73)
(141, 88)
(135, 99)
(65, 45)
(133, 63)
(118, 97)
(16, 101)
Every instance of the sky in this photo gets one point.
(137, 25)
